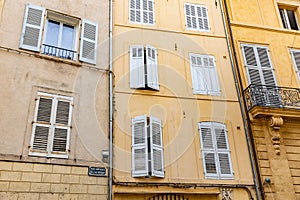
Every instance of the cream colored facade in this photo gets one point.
(27, 171)
(275, 126)
(175, 104)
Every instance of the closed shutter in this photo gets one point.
(152, 68)
(198, 75)
(258, 64)
(41, 125)
(223, 152)
(135, 11)
(208, 151)
(137, 67)
(202, 16)
(61, 135)
(88, 43)
(296, 61)
(151, 11)
(212, 78)
(190, 14)
(32, 27)
(156, 146)
(139, 147)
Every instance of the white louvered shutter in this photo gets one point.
(212, 75)
(208, 151)
(32, 28)
(152, 68)
(151, 15)
(198, 75)
(202, 17)
(190, 14)
(42, 125)
(156, 146)
(296, 61)
(88, 42)
(61, 135)
(137, 67)
(223, 151)
(139, 147)
(251, 64)
(266, 66)
(135, 14)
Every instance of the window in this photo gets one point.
(215, 150)
(60, 37)
(258, 64)
(196, 17)
(141, 11)
(288, 18)
(51, 126)
(204, 74)
(143, 67)
(296, 59)
(147, 147)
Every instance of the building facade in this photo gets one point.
(266, 40)
(54, 99)
(178, 127)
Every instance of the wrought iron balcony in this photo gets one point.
(272, 97)
(58, 52)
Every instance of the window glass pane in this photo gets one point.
(292, 19)
(52, 33)
(67, 37)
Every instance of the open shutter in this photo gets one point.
(32, 27)
(251, 65)
(208, 151)
(198, 75)
(137, 67)
(156, 146)
(139, 147)
(41, 125)
(223, 152)
(61, 134)
(296, 61)
(152, 68)
(88, 43)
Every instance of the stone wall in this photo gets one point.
(47, 181)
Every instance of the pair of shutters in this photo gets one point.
(33, 28)
(196, 17)
(215, 150)
(51, 127)
(296, 59)
(147, 147)
(204, 74)
(143, 72)
(141, 11)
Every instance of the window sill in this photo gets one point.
(57, 59)
(38, 154)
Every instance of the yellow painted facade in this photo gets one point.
(43, 158)
(275, 128)
(176, 105)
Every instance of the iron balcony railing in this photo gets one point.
(271, 96)
(58, 52)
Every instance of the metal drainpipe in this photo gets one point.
(110, 97)
(250, 145)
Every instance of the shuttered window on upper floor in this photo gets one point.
(51, 126)
(143, 67)
(147, 147)
(204, 74)
(259, 66)
(296, 61)
(141, 11)
(196, 17)
(56, 34)
(215, 150)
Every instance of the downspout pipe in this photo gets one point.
(110, 98)
(239, 89)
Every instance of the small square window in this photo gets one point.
(288, 18)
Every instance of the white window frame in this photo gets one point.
(152, 143)
(36, 20)
(197, 18)
(142, 11)
(207, 85)
(52, 125)
(286, 21)
(215, 151)
(297, 67)
(61, 23)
